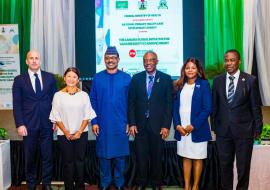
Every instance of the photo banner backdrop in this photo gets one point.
(9, 62)
(136, 26)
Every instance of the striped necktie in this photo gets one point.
(230, 90)
(150, 85)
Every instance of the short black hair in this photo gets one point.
(234, 51)
(150, 52)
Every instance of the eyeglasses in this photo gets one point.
(149, 60)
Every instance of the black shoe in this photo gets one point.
(120, 188)
(46, 187)
(104, 188)
(31, 188)
(81, 187)
(157, 187)
(140, 187)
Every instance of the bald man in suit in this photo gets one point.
(150, 116)
(32, 101)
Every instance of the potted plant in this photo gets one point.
(5, 167)
(60, 83)
(213, 70)
(3, 134)
(264, 138)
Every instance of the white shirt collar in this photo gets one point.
(154, 74)
(31, 73)
(236, 75)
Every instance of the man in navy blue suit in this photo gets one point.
(150, 116)
(32, 97)
(237, 119)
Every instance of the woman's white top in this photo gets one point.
(71, 110)
(186, 147)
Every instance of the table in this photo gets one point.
(5, 170)
(259, 169)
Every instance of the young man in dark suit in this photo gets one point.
(32, 97)
(237, 119)
(150, 115)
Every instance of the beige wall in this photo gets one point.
(6, 121)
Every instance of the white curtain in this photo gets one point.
(258, 20)
(53, 33)
(249, 33)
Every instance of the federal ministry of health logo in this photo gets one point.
(142, 4)
(163, 4)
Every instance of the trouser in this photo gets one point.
(39, 138)
(148, 149)
(118, 172)
(228, 149)
(73, 154)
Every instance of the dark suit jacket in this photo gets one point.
(201, 107)
(28, 108)
(243, 116)
(159, 103)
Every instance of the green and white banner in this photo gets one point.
(9, 62)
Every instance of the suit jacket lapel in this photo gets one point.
(29, 83)
(44, 82)
(143, 81)
(222, 88)
(196, 91)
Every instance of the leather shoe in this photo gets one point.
(33, 188)
(104, 188)
(46, 187)
(139, 187)
(157, 187)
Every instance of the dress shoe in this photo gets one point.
(140, 187)
(157, 188)
(46, 187)
(81, 187)
(104, 188)
(31, 188)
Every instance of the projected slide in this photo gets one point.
(136, 26)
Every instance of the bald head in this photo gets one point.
(31, 52)
(33, 60)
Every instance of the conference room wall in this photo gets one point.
(7, 122)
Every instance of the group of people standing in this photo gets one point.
(142, 106)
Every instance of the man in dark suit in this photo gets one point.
(237, 119)
(32, 97)
(150, 115)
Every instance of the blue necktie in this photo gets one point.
(37, 85)
(150, 85)
(230, 90)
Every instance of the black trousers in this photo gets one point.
(229, 148)
(148, 150)
(39, 138)
(73, 153)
